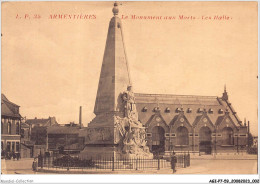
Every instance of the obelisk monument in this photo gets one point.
(115, 131)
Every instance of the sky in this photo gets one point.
(50, 67)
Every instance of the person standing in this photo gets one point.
(40, 160)
(173, 162)
(18, 156)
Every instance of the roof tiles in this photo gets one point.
(172, 102)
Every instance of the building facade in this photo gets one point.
(10, 126)
(69, 138)
(34, 135)
(200, 124)
(38, 129)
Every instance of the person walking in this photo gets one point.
(173, 162)
(34, 165)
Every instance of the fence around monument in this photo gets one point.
(75, 162)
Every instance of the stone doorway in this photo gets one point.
(158, 140)
(205, 145)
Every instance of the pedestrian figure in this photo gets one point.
(40, 160)
(188, 159)
(6, 155)
(34, 165)
(3, 154)
(9, 156)
(173, 162)
(18, 156)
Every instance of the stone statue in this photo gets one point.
(129, 104)
(133, 143)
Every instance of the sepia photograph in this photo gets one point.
(129, 87)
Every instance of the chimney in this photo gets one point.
(30, 131)
(80, 123)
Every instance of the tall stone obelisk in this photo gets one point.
(116, 128)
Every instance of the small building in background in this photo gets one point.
(34, 135)
(26, 143)
(41, 122)
(10, 126)
(69, 138)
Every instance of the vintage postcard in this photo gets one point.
(129, 88)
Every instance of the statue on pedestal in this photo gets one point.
(133, 141)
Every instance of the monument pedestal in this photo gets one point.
(98, 152)
(101, 152)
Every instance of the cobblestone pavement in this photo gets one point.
(198, 166)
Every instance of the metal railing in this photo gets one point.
(74, 162)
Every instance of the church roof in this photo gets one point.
(219, 120)
(192, 107)
(9, 108)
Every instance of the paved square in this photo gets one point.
(198, 166)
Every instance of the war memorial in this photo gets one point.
(116, 129)
(134, 132)
(129, 124)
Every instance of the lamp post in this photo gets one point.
(193, 141)
(170, 141)
(238, 141)
(216, 140)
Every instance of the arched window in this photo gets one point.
(9, 128)
(17, 128)
(158, 139)
(227, 136)
(158, 135)
(182, 136)
(205, 134)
